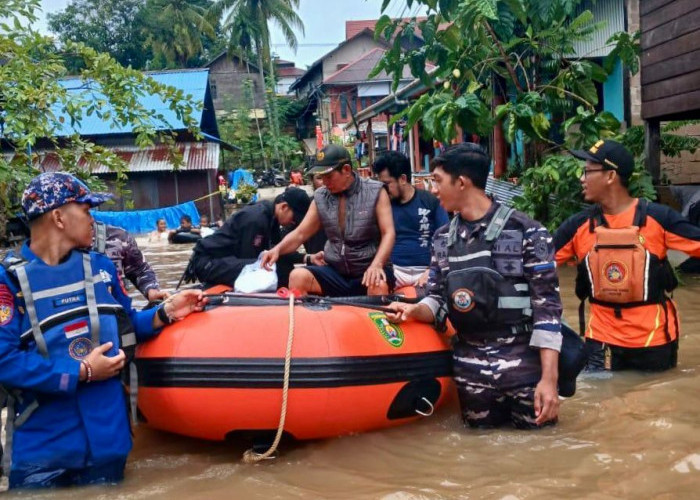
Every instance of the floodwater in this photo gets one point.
(626, 436)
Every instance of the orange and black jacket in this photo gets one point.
(664, 229)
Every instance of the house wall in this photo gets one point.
(309, 85)
(351, 51)
(157, 189)
(669, 81)
(635, 81)
(670, 58)
(283, 83)
(686, 168)
(353, 102)
(226, 78)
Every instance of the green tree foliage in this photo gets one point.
(245, 24)
(513, 63)
(520, 52)
(241, 129)
(552, 189)
(112, 26)
(179, 31)
(143, 34)
(35, 108)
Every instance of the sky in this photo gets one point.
(324, 23)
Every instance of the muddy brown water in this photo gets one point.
(627, 436)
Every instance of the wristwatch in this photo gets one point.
(163, 316)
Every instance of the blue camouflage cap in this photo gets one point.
(52, 190)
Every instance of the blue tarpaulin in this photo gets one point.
(238, 176)
(241, 176)
(144, 221)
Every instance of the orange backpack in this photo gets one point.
(618, 266)
(619, 272)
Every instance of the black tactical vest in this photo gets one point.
(486, 292)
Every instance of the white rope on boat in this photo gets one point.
(250, 456)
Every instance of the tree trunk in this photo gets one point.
(270, 118)
(257, 124)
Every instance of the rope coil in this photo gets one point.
(250, 456)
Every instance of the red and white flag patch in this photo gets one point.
(7, 305)
(76, 329)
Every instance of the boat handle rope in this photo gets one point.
(216, 299)
(250, 456)
(430, 405)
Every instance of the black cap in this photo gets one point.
(330, 157)
(298, 201)
(612, 155)
(572, 359)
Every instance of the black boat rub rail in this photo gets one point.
(305, 372)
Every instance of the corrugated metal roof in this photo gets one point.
(503, 191)
(196, 156)
(192, 82)
(610, 11)
(317, 64)
(352, 28)
(293, 71)
(358, 70)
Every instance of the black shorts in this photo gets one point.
(334, 284)
(657, 358)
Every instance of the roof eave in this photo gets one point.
(414, 87)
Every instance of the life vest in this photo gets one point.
(68, 310)
(486, 292)
(619, 271)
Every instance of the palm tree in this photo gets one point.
(246, 23)
(177, 29)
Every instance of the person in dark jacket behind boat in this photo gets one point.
(219, 258)
(492, 272)
(355, 214)
(621, 245)
(64, 325)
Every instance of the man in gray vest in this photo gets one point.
(492, 272)
(355, 214)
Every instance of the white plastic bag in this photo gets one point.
(255, 279)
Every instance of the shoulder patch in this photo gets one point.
(7, 305)
(541, 249)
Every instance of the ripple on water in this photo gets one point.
(691, 463)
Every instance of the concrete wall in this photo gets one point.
(686, 168)
(635, 82)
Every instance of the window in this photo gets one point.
(212, 86)
(343, 107)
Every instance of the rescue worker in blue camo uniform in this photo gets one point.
(492, 272)
(65, 324)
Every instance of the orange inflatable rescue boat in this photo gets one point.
(220, 373)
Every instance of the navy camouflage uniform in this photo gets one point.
(122, 250)
(496, 375)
